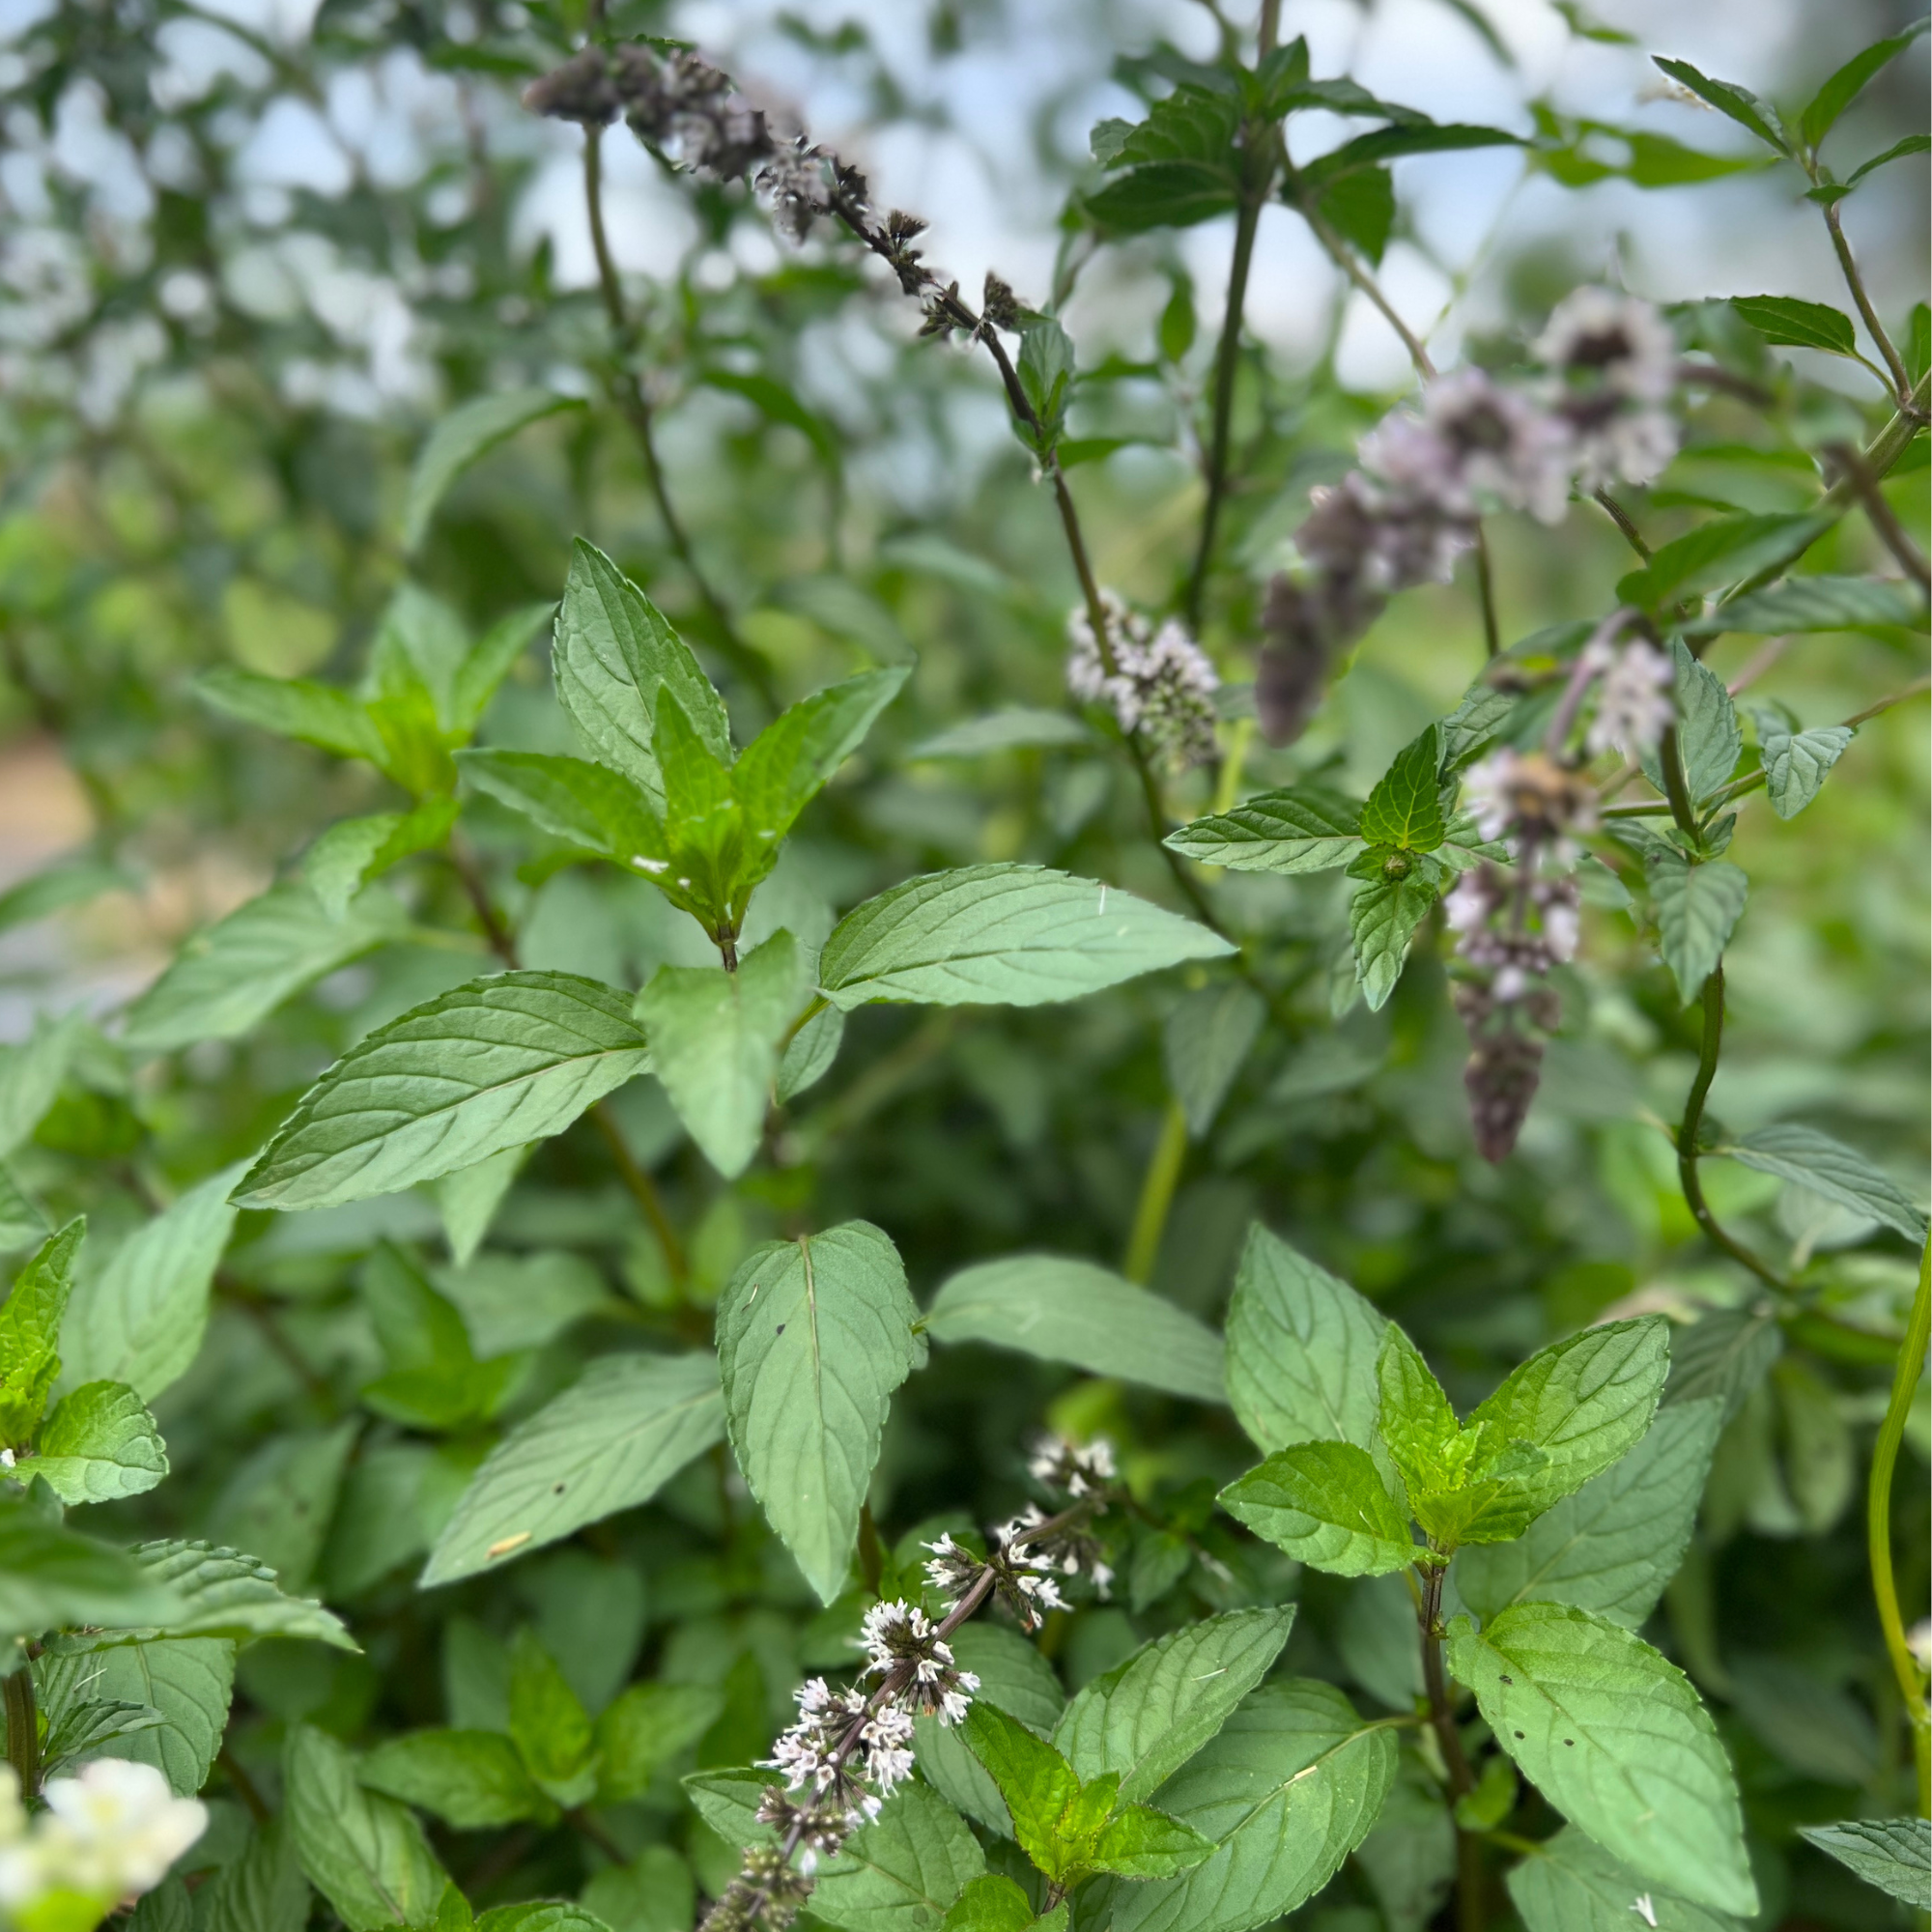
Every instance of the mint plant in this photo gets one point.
(669, 1312)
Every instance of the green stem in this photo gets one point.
(23, 1729)
(1163, 1174)
(1485, 591)
(1855, 282)
(1472, 1904)
(1878, 1526)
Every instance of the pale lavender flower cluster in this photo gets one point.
(900, 1640)
(1158, 683)
(1633, 702)
(1600, 414)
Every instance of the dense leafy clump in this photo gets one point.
(565, 1369)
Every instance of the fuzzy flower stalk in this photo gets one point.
(1517, 919)
(1597, 412)
(851, 1749)
(1158, 684)
(107, 1835)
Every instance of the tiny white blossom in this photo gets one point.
(1162, 683)
(1634, 707)
(109, 1832)
(1644, 1909)
(1473, 443)
(1615, 368)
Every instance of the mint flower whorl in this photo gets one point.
(1634, 704)
(821, 1828)
(1161, 686)
(1613, 363)
(901, 1641)
(1080, 1471)
(841, 1745)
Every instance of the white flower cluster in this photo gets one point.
(899, 1640)
(1541, 929)
(1613, 368)
(1161, 684)
(1080, 1471)
(1634, 704)
(844, 1751)
(109, 1832)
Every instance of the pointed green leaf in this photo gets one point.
(1794, 1152)
(647, 1726)
(461, 437)
(1146, 1717)
(30, 1325)
(1814, 604)
(715, 1044)
(188, 1682)
(364, 1853)
(590, 805)
(264, 1890)
(224, 1593)
(1697, 909)
(238, 970)
(293, 707)
(1301, 1350)
(783, 767)
(22, 1225)
(809, 1056)
(1797, 763)
(52, 1577)
(1739, 103)
(1849, 82)
(97, 1444)
(494, 1063)
(489, 662)
(903, 1870)
(1710, 738)
(1415, 1420)
(813, 1336)
(472, 1779)
(1204, 1044)
(1892, 1853)
(140, 1320)
(608, 1442)
(1405, 808)
(1289, 1787)
(1075, 1311)
(1613, 1546)
(1001, 935)
(1571, 1885)
(994, 1903)
(1726, 549)
(1616, 1739)
(1382, 919)
(548, 1722)
(1037, 1783)
(614, 653)
(1802, 325)
(349, 855)
(1141, 1843)
(1326, 1505)
(31, 1076)
(1305, 830)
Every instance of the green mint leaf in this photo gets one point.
(1018, 1680)
(31, 1076)
(707, 872)
(1039, 1785)
(1141, 1843)
(1382, 919)
(809, 1057)
(1723, 551)
(715, 1044)
(82, 1728)
(653, 1894)
(461, 439)
(470, 1779)
(590, 805)
(1303, 830)
(1359, 205)
(644, 1728)
(350, 855)
(238, 970)
(30, 1325)
(277, 1505)
(493, 1065)
(1912, 144)
(1206, 1044)
(293, 707)
(52, 1577)
(1802, 325)
(1739, 103)
(537, 1918)
(813, 1336)
(608, 1442)
(614, 654)
(1583, 1403)
(992, 1903)
(264, 1890)
(1415, 1420)
(727, 1801)
(1001, 935)
(906, 1867)
(1697, 909)
(1301, 1350)
(488, 661)
(467, 1199)
(1075, 1311)
(1725, 1353)
(364, 1853)
(1045, 366)
(783, 768)
(1146, 1717)
(419, 646)
(1405, 807)
(1796, 765)
(1017, 728)
(1615, 1738)
(187, 1683)
(1571, 1885)
(1846, 85)
(549, 1724)
(1892, 1853)
(1287, 1790)
(97, 1444)
(1474, 723)
(22, 1225)
(1615, 1543)
(221, 1593)
(1326, 1505)
(1794, 1152)
(1710, 739)
(1183, 166)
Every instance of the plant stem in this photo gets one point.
(1620, 517)
(628, 394)
(1163, 1173)
(1882, 518)
(1688, 1176)
(1471, 1903)
(23, 1729)
(1855, 282)
(1877, 1527)
(1485, 592)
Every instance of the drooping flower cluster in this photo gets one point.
(1599, 414)
(1158, 683)
(107, 1834)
